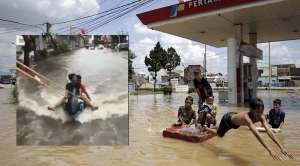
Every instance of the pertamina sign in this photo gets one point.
(189, 8)
(191, 4)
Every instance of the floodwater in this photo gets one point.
(148, 115)
(104, 73)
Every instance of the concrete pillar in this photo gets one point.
(235, 67)
(239, 67)
(231, 70)
(253, 63)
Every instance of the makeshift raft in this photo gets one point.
(262, 129)
(187, 134)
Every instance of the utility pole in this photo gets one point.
(270, 68)
(204, 62)
(48, 26)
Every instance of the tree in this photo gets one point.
(131, 56)
(28, 47)
(155, 60)
(172, 60)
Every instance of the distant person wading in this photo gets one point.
(202, 87)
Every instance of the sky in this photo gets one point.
(142, 39)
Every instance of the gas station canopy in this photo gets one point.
(213, 21)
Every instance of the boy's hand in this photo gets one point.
(287, 154)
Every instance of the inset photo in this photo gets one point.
(72, 89)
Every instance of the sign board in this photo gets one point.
(251, 51)
(189, 8)
(284, 78)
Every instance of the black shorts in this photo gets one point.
(226, 124)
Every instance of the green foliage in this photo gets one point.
(155, 60)
(191, 90)
(14, 95)
(131, 56)
(63, 48)
(172, 60)
(40, 54)
(167, 90)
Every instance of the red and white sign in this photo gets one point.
(189, 8)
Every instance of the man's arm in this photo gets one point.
(270, 133)
(193, 121)
(252, 127)
(272, 136)
(179, 114)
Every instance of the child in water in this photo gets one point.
(276, 115)
(186, 114)
(248, 118)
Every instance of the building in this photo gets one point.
(139, 79)
(189, 74)
(173, 75)
(295, 74)
(6, 79)
(282, 75)
(216, 24)
(284, 69)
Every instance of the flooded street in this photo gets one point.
(104, 73)
(148, 116)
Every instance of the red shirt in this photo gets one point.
(82, 87)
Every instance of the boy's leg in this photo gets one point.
(60, 102)
(88, 102)
(210, 120)
(203, 118)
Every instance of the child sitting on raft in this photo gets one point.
(186, 114)
(207, 113)
(233, 120)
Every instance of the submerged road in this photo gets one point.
(104, 73)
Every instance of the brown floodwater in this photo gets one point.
(148, 115)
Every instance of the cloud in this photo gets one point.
(281, 53)
(191, 53)
(142, 29)
(35, 12)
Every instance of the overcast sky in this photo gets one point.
(142, 39)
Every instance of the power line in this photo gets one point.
(89, 21)
(16, 30)
(80, 18)
(20, 23)
(120, 15)
(92, 22)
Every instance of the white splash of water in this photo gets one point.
(106, 110)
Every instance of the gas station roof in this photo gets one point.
(212, 21)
